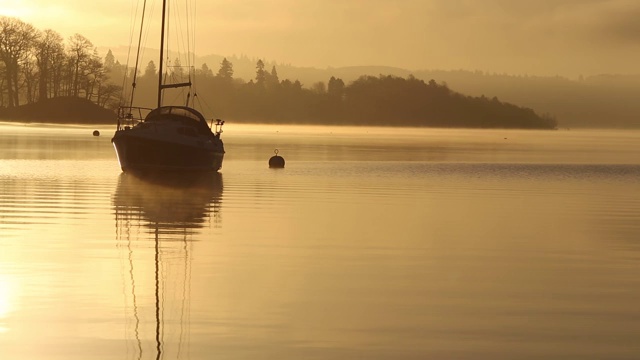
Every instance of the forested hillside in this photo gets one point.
(605, 100)
(40, 71)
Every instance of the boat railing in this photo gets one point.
(218, 126)
(130, 116)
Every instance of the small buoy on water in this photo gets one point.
(276, 161)
(96, 133)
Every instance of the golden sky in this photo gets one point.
(542, 37)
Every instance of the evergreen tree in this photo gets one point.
(274, 75)
(205, 71)
(151, 70)
(272, 79)
(261, 75)
(178, 72)
(336, 87)
(109, 60)
(226, 69)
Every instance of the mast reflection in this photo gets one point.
(156, 219)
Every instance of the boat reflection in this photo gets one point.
(156, 219)
(171, 203)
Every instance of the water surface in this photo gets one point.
(372, 243)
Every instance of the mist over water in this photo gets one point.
(372, 242)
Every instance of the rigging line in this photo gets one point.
(134, 16)
(143, 44)
(169, 28)
(206, 105)
(190, 19)
(163, 18)
(167, 40)
(193, 31)
(181, 44)
(135, 69)
(179, 95)
(190, 35)
(187, 18)
(192, 41)
(179, 35)
(178, 27)
(186, 40)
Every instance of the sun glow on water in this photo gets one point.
(7, 299)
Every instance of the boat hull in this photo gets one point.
(142, 154)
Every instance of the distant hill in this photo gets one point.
(245, 67)
(61, 110)
(600, 101)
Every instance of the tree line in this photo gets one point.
(370, 100)
(37, 65)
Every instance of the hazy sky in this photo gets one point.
(545, 37)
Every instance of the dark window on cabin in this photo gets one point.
(188, 131)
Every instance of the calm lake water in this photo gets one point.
(371, 244)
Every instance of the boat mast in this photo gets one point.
(160, 85)
(164, 10)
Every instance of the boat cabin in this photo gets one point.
(185, 115)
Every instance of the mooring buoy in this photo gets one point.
(276, 161)
(96, 133)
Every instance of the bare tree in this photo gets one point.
(29, 72)
(16, 40)
(59, 70)
(48, 46)
(80, 54)
(2, 80)
(108, 96)
(93, 75)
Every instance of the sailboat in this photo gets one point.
(167, 138)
